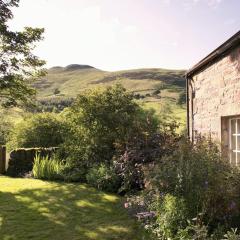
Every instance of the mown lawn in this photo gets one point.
(41, 210)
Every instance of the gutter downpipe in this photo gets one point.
(187, 99)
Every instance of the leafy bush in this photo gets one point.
(207, 183)
(232, 235)
(182, 98)
(171, 216)
(74, 173)
(47, 168)
(38, 130)
(102, 120)
(135, 156)
(5, 128)
(104, 177)
(193, 231)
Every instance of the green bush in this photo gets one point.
(104, 177)
(38, 130)
(47, 168)
(182, 98)
(172, 215)
(74, 173)
(204, 180)
(232, 235)
(193, 231)
(5, 128)
(100, 121)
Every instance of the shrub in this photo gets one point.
(47, 168)
(135, 157)
(232, 235)
(100, 121)
(38, 130)
(182, 98)
(74, 173)
(5, 128)
(206, 182)
(104, 178)
(171, 216)
(193, 231)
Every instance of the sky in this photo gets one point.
(126, 34)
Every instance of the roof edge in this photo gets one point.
(223, 48)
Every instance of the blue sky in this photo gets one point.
(126, 34)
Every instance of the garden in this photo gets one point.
(103, 167)
(176, 189)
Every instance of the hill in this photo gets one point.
(161, 89)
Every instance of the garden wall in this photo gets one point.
(2, 159)
(21, 160)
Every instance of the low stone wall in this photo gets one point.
(2, 159)
(21, 160)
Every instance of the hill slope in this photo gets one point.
(157, 88)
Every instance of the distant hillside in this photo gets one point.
(153, 87)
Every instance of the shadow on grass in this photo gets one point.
(64, 211)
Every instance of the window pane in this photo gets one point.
(233, 158)
(238, 126)
(233, 126)
(238, 159)
(238, 143)
(233, 142)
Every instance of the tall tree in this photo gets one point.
(18, 65)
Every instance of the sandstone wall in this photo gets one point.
(215, 95)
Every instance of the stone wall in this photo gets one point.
(214, 96)
(21, 160)
(2, 159)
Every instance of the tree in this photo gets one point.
(101, 121)
(38, 130)
(18, 65)
(56, 91)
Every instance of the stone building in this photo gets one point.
(213, 97)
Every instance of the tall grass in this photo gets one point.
(47, 168)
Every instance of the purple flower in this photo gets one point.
(232, 205)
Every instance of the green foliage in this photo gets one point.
(47, 168)
(182, 98)
(193, 231)
(100, 121)
(171, 216)
(5, 128)
(56, 91)
(199, 176)
(205, 180)
(71, 173)
(17, 62)
(104, 177)
(38, 130)
(232, 235)
(57, 104)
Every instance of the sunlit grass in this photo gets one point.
(42, 210)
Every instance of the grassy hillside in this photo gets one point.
(156, 88)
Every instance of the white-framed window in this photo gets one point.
(234, 137)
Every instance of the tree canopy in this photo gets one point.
(18, 65)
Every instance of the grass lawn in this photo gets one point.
(41, 210)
